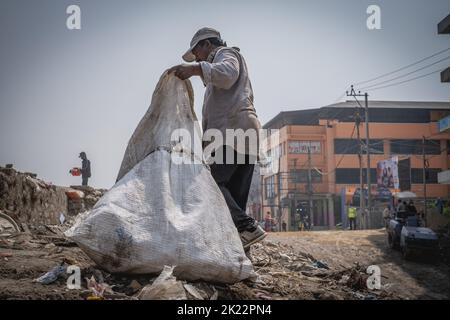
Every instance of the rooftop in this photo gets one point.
(379, 111)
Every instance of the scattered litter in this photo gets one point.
(215, 295)
(62, 218)
(75, 194)
(8, 226)
(321, 265)
(165, 287)
(52, 275)
(193, 291)
(5, 255)
(98, 289)
(135, 286)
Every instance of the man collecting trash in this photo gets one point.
(228, 104)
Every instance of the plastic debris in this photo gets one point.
(98, 289)
(52, 275)
(321, 265)
(165, 287)
(62, 218)
(193, 291)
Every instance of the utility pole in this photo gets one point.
(261, 216)
(369, 183)
(279, 195)
(361, 182)
(296, 176)
(310, 188)
(366, 109)
(424, 176)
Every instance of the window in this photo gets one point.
(346, 146)
(351, 176)
(415, 146)
(270, 187)
(351, 146)
(376, 146)
(301, 176)
(431, 175)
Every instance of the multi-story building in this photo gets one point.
(395, 129)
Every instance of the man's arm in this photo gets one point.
(223, 73)
(185, 71)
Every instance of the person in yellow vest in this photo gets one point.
(352, 218)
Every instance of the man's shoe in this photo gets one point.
(251, 237)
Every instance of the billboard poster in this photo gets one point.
(299, 147)
(387, 173)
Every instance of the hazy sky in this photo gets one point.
(65, 91)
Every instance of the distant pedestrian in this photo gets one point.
(268, 222)
(352, 218)
(401, 206)
(412, 207)
(440, 205)
(85, 169)
(386, 215)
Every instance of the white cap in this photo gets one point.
(202, 34)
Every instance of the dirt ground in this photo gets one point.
(417, 279)
(300, 265)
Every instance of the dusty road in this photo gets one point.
(341, 249)
(285, 262)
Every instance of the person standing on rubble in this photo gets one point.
(85, 169)
(228, 104)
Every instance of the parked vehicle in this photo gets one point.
(406, 232)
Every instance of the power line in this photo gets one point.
(322, 111)
(405, 75)
(403, 68)
(405, 81)
(390, 73)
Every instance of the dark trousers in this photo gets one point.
(234, 181)
(84, 181)
(352, 222)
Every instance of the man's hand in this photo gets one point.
(186, 71)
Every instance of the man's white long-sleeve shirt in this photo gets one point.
(228, 102)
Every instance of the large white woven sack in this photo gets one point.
(162, 213)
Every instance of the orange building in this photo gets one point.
(395, 129)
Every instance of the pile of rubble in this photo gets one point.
(34, 202)
(27, 199)
(36, 256)
(82, 198)
(283, 273)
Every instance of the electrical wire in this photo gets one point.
(403, 68)
(406, 81)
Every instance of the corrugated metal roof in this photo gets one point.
(395, 104)
(379, 111)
